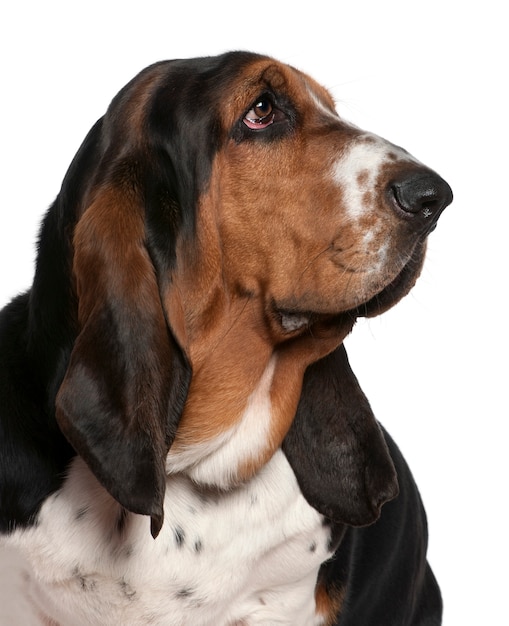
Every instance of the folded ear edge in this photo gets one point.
(125, 455)
(336, 447)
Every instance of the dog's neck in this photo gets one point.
(241, 371)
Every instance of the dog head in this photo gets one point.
(226, 229)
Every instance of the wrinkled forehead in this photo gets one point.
(213, 91)
(287, 84)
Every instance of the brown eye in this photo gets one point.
(262, 108)
(260, 115)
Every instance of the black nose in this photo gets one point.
(421, 196)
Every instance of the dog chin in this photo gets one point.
(394, 291)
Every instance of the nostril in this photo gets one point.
(424, 195)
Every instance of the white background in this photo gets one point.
(431, 76)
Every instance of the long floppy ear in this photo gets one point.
(124, 389)
(336, 448)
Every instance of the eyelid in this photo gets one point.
(256, 123)
(282, 120)
(259, 123)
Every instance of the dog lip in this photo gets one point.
(293, 321)
(394, 291)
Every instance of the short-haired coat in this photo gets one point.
(183, 441)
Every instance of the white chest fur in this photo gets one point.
(249, 556)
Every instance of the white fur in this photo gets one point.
(320, 105)
(357, 172)
(244, 556)
(366, 155)
(216, 462)
(15, 606)
(248, 556)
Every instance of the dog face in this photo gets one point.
(311, 221)
(229, 227)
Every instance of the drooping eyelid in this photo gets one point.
(284, 118)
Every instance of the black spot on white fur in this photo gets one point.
(121, 520)
(81, 513)
(86, 583)
(126, 590)
(180, 536)
(198, 546)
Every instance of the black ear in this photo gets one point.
(336, 447)
(124, 389)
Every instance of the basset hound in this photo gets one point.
(183, 441)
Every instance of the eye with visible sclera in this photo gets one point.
(261, 114)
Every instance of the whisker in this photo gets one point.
(313, 260)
